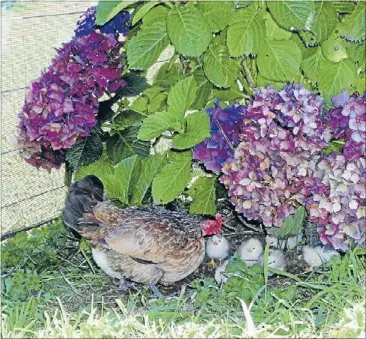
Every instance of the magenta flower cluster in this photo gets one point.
(348, 120)
(281, 133)
(62, 104)
(224, 129)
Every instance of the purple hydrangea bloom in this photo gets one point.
(86, 23)
(282, 135)
(63, 103)
(224, 130)
(348, 120)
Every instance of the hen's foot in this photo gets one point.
(158, 294)
(125, 285)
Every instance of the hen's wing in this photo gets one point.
(139, 233)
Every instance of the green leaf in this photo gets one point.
(188, 31)
(344, 6)
(312, 64)
(325, 20)
(273, 31)
(247, 33)
(353, 28)
(85, 151)
(153, 91)
(295, 15)
(292, 226)
(135, 85)
(140, 105)
(219, 68)
(149, 168)
(334, 146)
(172, 179)
(168, 75)
(157, 14)
(279, 60)
(230, 94)
(197, 130)
(118, 185)
(333, 77)
(126, 144)
(126, 119)
(204, 87)
(334, 50)
(107, 10)
(158, 103)
(203, 194)
(357, 54)
(99, 168)
(144, 48)
(142, 11)
(217, 14)
(154, 125)
(181, 97)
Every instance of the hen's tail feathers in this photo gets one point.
(82, 198)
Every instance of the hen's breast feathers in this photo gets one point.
(171, 241)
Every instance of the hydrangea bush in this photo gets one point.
(62, 104)
(280, 163)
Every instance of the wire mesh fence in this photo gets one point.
(30, 32)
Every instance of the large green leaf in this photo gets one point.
(144, 48)
(135, 85)
(217, 14)
(85, 151)
(333, 77)
(123, 173)
(157, 14)
(279, 60)
(172, 179)
(229, 94)
(181, 96)
(353, 29)
(334, 50)
(273, 31)
(142, 11)
(188, 31)
(203, 193)
(325, 20)
(154, 125)
(247, 33)
(158, 103)
(107, 10)
(126, 119)
(292, 226)
(219, 68)
(168, 75)
(99, 168)
(312, 64)
(204, 87)
(126, 144)
(297, 15)
(197, 129)
(149, 168)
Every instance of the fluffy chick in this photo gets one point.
(250, 250)
(276, 260)
(217, 247)
(316, 256)
(219, 276)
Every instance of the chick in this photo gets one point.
(250, 250)
(289, 243)
(316, 256)
(217, 247)
(219, 276)
(276, 260)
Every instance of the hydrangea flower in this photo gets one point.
(282, 135)
(224, 130)
(86, 23)
(348, 120)
(338, 201)
(63, 103)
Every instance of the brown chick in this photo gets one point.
(148, 245)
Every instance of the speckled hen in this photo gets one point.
(143, 244)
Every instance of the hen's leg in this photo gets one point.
(158, 294)
(125, 284)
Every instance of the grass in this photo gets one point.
(52, 289)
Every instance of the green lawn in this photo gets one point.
(51, 288)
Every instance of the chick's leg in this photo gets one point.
(212, 264)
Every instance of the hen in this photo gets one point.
(143, 244)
